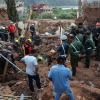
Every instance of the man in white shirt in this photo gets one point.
(31, 69)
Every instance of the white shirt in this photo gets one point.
(31, 63)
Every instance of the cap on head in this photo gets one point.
(63, 37)
(71, 35)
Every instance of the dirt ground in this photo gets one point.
(85, 77)
(85, 86)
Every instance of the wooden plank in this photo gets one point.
(5, 70)
(11, 97)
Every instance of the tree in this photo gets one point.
(11, 10)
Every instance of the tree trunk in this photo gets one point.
(11, 10)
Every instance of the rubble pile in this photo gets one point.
(86, 86)
(5, 90)
(51, 25)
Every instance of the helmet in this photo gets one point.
(63, 37)
(29, 40)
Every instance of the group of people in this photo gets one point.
(79, 43)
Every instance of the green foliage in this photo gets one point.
(56, 10)
(58, 13)
(47, 15)
(34, 15)
(65, 14)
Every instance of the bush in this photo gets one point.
(66, 16)
(47, 15)
(57, 12)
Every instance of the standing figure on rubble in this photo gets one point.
(89, 46)
(32, 30)
(32, 70)
(60, 75)
(12, 30)
(79, 36)
(27, 47)
(63, 48)
(75, 50)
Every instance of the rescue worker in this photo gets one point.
(12, 29)
(27, 47)
(16, 45)
(63, 48)
(32, 70)
(32, 30)
(73, 27)
(89, 46)
(75, 50)
(79, 36)
(37, 40)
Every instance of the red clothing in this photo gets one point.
(28, 49)
(12, 28)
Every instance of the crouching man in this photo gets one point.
(31, 69)
(60, 76)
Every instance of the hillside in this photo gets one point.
(53, 2)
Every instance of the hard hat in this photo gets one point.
(73, 25)
(16, 40)
(29, 40)
(22, 36)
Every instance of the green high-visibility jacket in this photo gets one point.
(76, 48)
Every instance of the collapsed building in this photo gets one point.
(89, 12)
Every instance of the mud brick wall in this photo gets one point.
(3, 15)
(91, 14)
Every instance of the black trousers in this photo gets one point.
(37, 80)
(87, 60)
(74, 65)
(12, 37)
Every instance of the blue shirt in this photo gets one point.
(60, 76)
(63, 49)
